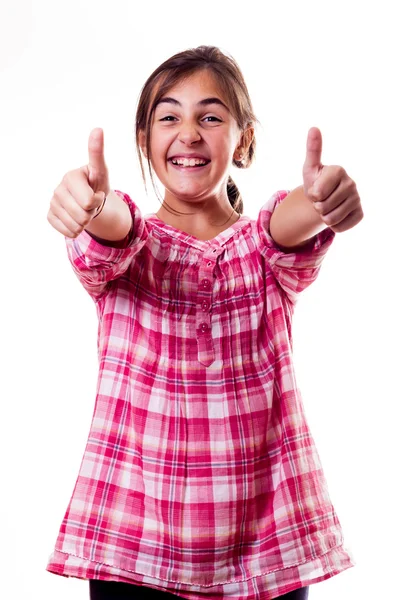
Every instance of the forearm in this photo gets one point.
(114, 222)
(295, 221)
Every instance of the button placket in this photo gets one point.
(204, 303)
(206, 352)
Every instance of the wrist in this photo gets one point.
(100, 207)
(113, 221)
(295, 221)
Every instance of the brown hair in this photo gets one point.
(232, 84)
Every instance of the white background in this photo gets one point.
(67, 67)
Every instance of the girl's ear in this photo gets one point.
(239, 153)
(142, 142)
(247, 138)
(244, 144)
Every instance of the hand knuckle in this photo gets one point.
(325, 208)
(87, 203)
(318, 206)
(86, 220)
(315, 195)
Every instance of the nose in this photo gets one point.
(189, 133)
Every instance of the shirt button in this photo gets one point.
(203, 327)
(206, 284)
(205, 305)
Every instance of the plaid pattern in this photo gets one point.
(200, 474)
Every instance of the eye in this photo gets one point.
(214, 119)
(167, 118)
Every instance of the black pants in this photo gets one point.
(116, 590)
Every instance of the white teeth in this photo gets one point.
(188, 162)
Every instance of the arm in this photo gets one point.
(295, 221)
(327, 198)
(113, 223)
(97, 264)
(292, 269)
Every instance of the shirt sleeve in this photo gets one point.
(294, 271)
(98, 262)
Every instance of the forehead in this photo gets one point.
(195, 87)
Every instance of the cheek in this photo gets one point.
(159, 141)
(227, 144)
(224, 151)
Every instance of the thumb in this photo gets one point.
(312, 164)
(97, 168)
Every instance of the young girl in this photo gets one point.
(200, 477)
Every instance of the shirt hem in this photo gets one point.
(265, 586)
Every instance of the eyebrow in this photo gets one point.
(204, 102)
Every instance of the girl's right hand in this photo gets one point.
(80, 194)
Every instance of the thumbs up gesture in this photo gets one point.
(332, 191)
(80, 195)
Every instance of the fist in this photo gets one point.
(332, 192)
(79, 196)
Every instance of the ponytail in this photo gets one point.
(234, 196)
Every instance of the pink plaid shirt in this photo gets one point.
(200, 475)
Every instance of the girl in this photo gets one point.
(200, 477)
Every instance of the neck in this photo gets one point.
(203, 220)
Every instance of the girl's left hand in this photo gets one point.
(332, 192)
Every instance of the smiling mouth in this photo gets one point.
(189, 163)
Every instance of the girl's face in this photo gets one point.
(193, 140)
